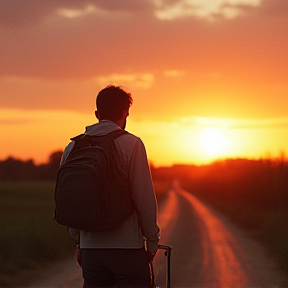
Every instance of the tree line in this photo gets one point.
(16, 169)
(255, 183)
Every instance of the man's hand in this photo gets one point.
(150, 256)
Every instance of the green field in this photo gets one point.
(29, 236)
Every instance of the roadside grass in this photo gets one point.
(274, 232)
(268, 227)
(29, 236)
(30, 239)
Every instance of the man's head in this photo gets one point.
(113, 104)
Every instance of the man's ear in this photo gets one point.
(97, 115)
(126, 112)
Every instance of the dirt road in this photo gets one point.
(208, 251)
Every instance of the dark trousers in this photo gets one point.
(115, 268)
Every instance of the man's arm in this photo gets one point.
(144, 196)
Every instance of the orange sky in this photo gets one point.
(190, 65)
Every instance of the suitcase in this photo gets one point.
(168, 250)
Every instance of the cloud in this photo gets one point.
(216, 68)
(263, 123)
(14, 122)
(142, 80)
(244, 123)
(235, 123)
(74, 13)
(17, 13)
(173, 73)
(15, 117)
(21, 117)
(46, 94)
(206, 9)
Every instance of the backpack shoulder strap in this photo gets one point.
(86, 140)
(80, 141)
(77, 137)
(117, 133)
(114, 134)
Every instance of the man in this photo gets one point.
(118, 257)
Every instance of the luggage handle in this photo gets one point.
(168, 250)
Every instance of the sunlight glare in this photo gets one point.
(213, 141)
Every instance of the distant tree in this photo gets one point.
(49, 170)
(54, 159)
(16, 169)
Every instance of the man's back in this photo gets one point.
(121, 256)
(133, 159)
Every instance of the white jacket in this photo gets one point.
(142, 226)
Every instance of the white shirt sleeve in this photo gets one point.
(144, 197)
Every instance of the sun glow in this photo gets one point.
(193, 140)
(213, 141)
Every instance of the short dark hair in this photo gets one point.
(112, 101)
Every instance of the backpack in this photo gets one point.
(91, 192)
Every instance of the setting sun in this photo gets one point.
(213, 141)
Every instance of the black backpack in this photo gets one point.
(92, 193)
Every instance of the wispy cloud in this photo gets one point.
(260, 123)
(208, 9)
(14, 122)
(236, 123)
(138, 80)
(15, 13)
(173, 73)
(38, 117)
(74, 13)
